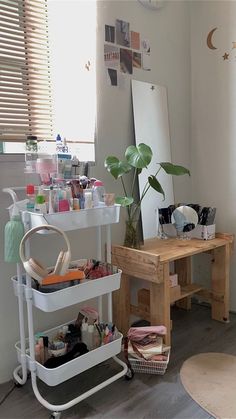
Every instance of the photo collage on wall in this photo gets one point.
(124, 51)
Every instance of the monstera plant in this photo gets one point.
(136, 159)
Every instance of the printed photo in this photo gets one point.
(122, 33)
(111, 56)
(126, 63)
(137, 59)
(110, 33)
(135, 40)
(112, 76)
(145, 44)
(146, 62)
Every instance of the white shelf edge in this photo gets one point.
(73, 220)
(55, 376)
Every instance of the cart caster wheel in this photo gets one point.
(129, 375)
(55, 415)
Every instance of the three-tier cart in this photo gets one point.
(99, 218)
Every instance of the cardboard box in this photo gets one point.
(173, 280)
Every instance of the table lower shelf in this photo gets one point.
(176, 294)
(187, 290)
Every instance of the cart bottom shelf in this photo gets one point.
(55, 376)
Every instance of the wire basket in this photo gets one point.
(149, 367)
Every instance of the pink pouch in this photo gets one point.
(137, 334)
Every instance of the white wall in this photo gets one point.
(213, 145)
(168, 32)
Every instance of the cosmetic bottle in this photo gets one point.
(51, 206)
(74, 167)
(96, 337)
(45, 343)
(37, 350)
(41, 346)
(30, 192)
(90, 337)
(59, 144)
(13, 234)
(98, 193)
(84, 333)
(88, 198)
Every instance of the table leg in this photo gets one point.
(121, 305)
(220, 283)
(183, 268)
(160, 303)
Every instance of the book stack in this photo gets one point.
(150, 351)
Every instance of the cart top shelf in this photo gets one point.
(72, 220)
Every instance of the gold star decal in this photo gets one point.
(234, 45)
(225, 56)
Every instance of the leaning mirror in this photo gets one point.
(151, 125)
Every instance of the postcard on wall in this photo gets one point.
(137, 59)
(145, 46)
(126, 61)
(111, 55)
(112, 77)
(110, 33)
(135, 40)
(123, 81)
(122, 33)
(146, 62)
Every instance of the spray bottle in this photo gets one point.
(13, 234)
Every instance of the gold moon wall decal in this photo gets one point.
(209, 39)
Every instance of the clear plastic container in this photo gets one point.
(31, 154)
(46, 167)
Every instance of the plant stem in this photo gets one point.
(128, 208)
(133, 182)
(122, 181)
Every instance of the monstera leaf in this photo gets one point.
(117, 167)
(140, 156)
(153, 182)
(173, 169)
(124, 201)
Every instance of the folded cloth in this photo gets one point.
(145, 334)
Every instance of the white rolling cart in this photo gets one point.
(48, 302)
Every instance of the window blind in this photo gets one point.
(25, 82)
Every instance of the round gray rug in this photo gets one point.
(210, 379)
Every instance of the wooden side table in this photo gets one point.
(152, 264)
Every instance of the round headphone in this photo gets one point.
(33, 267)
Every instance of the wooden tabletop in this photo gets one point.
(173, 248)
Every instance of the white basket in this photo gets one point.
(66, 297)
(55, 376)
(72, 220)
(149, 367)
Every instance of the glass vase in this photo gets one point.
(131, 234)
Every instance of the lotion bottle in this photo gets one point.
(84, 333)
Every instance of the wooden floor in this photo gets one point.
(144, 397)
